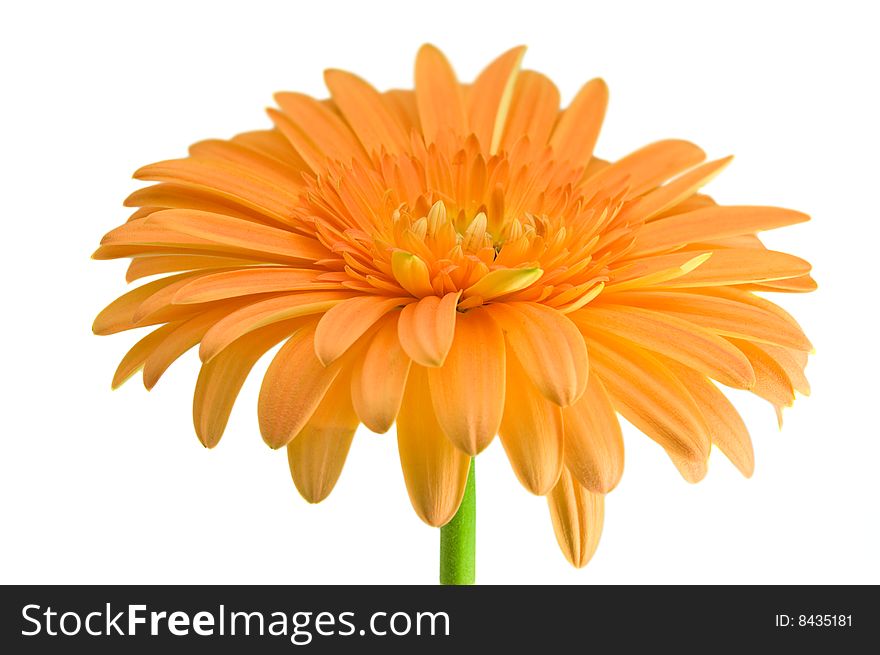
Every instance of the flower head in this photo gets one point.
(455, 260)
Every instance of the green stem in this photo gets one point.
(458, 539)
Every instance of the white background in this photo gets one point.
(113, 487)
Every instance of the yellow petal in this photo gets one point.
(426, 328)
(375, 125)
(674, 337)
(438, 94)
(317, 454)
(294, 384)
(502, 281)
(434, 470)
(379, 378)
(593, 440)
(549, 347)
(468, 390)
(220, 380)
(531, 431)
(346, 322)
(412, 273)
(489, 98)
(577, 516)
(578, 128)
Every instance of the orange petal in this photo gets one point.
(256, 315)
(237, 233)
(314, 130)
(531, 431)
(160, 307)
(710, 223)
(653, 271)
(248, 161)
(647, 167)
(578, 128)
(468, 390)
(274, 200)
(346, 322)
(293, 386)
(438, 95)
(490, 97)
(533, 110)
(741, 265)
(185, 335)
(134, 359)
(746, 297)
(220, 380)
(403, 103)
(119, 315)
(249, 281)
(434, 470)
(726, 427)
(273, 144)
(168, 195)
(317, 454)
(141, 267)
(133, 239)
(593, 440)
(650, 397)
(426, 328)
(799, 284)
(692, 203)
(723, 314)
(790, 361)
(674, 337)
(577, 516)
(375, 125)
(549, 347)
(674, 192)
(772, 383)
(379, 378)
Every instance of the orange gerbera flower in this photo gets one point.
(455, 260)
